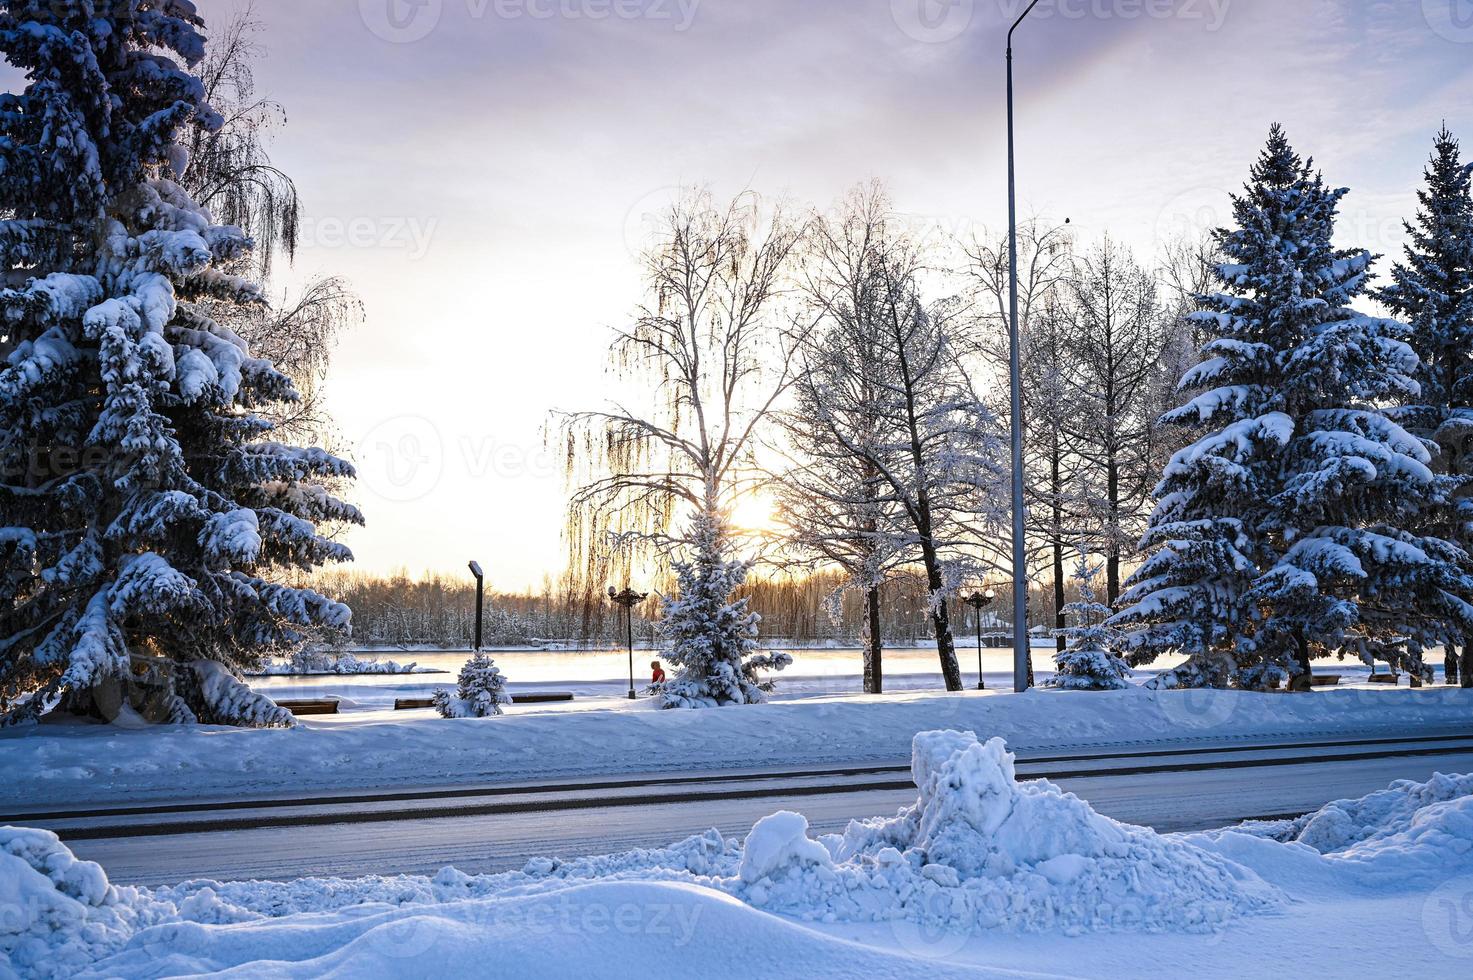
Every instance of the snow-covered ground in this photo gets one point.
(983, 876)
(50, 765)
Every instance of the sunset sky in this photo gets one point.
(480, 170)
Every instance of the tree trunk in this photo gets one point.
(1112, 544)
(874, 675)
(1302, 659)
(951, 671)
(1450, 664)
(1465, 676)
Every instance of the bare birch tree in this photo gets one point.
(834, 501)
(229, 171)
(710, 348)
(1117, 333)
(892, 394)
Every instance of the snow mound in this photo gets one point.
(981, 850)
(1404, 830)
(780, 843)
(59, 913)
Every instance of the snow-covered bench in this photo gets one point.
(536, 697)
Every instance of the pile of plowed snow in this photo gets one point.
(58, 914)
(981, 850)
(1406, 829)
(978, 850)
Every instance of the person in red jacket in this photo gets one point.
(658, 677)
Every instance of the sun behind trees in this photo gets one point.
(662, 480)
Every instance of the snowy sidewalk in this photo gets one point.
(54, 765)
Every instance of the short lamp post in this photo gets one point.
(628, 599)
(475, 568)
(980, 601)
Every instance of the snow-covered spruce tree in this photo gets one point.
(1432, 289)
(143, 506)
(1284, 532)
(479, 693)
(1088, 661)
(713, 640)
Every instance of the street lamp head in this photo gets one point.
(628, 598)
(475, 568)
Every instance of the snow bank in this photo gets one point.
(600, 929)
(314, 663)
(50, 766)
(1408, 832)
(979, 854)
(57, 914)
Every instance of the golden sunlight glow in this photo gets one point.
(754, 512)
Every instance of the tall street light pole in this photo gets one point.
(480, 599)
(1020, 558)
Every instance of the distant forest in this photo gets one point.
(435, 610)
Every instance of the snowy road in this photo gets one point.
(496, 828)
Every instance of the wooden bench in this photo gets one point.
(1384, 679)
(314, 706)
(546, 697)
(1300, 683)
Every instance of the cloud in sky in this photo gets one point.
(479, 168)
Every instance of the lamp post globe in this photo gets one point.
(627, 600)
(980, 601)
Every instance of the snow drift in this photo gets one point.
(978, 852)
(57, 914)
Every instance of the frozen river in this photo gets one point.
(593, 675)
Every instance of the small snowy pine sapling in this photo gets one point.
(480, 691)
(1088, 661)
(713, 640)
